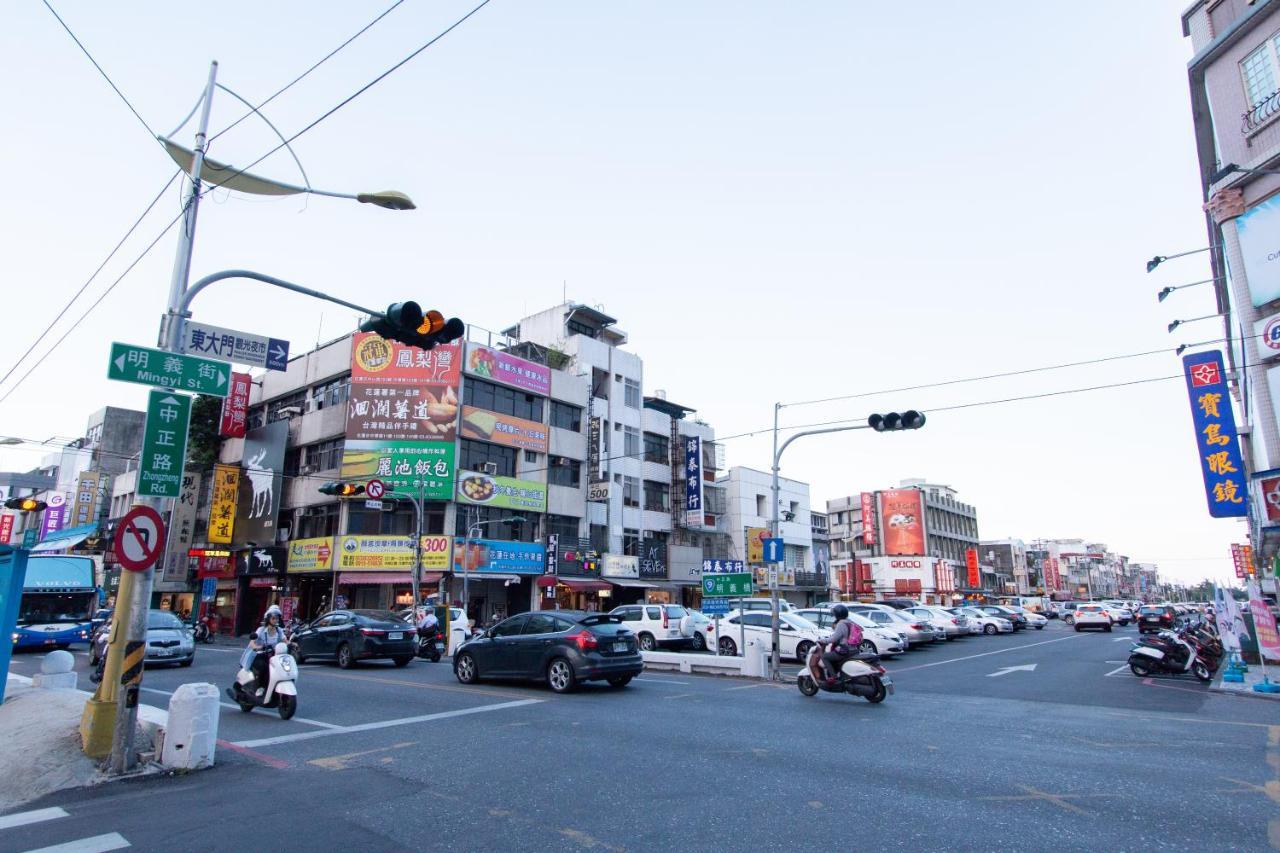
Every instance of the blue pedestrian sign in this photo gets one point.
(717, 606)
(773, 550)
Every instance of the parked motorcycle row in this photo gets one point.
(1190, 647)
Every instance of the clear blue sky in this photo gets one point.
(779, 201)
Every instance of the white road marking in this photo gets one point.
(659, 680)
(94, 844)
(1117, 670)
(985, 654)
(316, 723)
(37, 816)
(384, 724)
(1026, 667)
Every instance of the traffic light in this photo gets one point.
(25, 504)
(405, 322)
(893, 421)
(342, 490)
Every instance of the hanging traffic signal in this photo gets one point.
(25, 504)
(342, 490)
(405, 322)
(893, 421)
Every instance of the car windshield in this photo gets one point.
(162, 620)
(797, 621)
(675, 611)
(862, 621)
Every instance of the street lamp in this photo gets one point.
(1176, 323)
(466, 552)
(1163, 294)
(1159, 259)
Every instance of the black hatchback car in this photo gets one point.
(1155, 617)
(350, 636)
(561, 647)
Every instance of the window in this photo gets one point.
(599, 383)
(657, 448)
(398, 522)
(657, 496)
(564, 472)
(631, 442)
(531, 456)
(565, 416)
(566, 527)
(254, 418)
(629, 614)
(762, 506)
(1256, 69)
(577, 327)
(511, 627)
(653, 612)
(318, 521)
(330, 394)
(496, 523)
(292, 461)
(631, 394)
(326, 455)
(630, 542)
(539, 623)
(758, 620)
(630, 491)
(296, 400)
(507, 401)
(476, 453)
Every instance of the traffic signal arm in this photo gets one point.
(342, 490)
(405, 322)
(25, 504)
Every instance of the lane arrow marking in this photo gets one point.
(1026, 667)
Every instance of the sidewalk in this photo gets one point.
(1245, 688)
(40, 742)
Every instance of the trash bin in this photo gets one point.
(192, 733)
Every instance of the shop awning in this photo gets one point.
(576, 584)
(489, 576)
(632, 584)
(65, 539)
(377, 578)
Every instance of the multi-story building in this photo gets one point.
(749, 494)
(1007, 561)
(1234, 78)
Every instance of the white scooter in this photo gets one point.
(281, 692)
(861, 676)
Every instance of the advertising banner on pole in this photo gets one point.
(1215, 425)
(974, 569)
(755, 544)
(1264, 623)
(6, 529)
(235, 406)
(595, 471)
(54, 515)
(869, 518)
(182, 529)
(903, 514)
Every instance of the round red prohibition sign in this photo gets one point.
(139, 539)
(375, 489)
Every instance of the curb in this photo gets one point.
(1216, 687)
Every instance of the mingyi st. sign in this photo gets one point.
(1224, 478)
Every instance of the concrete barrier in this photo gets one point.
(56, 672)
(687, 662)
(192, 729)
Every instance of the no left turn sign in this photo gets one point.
(375, 489)
(139, 539)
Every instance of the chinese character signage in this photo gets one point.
(1237, 559)
(1215, 425)
(374, 360)
(182, 530)
(311, 555)
(868, 518)
(501, 367)
(492, 555)
(477, 488)
(395, 412)
(693, 481)
(755, 544)
(54, 515)
(419, 467)
(373, 553)
(164, 445)
(903, 517)
(595, 471)
(222, 505)
(90, 491)
(1055, 577)
(620, 566)
(504, 429)
(263, 464)
(974, 570)
(6, 528)
(235, 407)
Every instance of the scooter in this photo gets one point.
(281, 691)
(430, 644)
(1169, 655)
(203, 632)
(862, 676)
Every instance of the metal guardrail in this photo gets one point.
(1260, 113)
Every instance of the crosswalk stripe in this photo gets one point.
(93, 844)
(23, 818)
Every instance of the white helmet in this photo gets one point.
(275, 608)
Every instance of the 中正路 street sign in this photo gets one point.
(727, 585)
(164, 445)
(238, 347)
(147, 366)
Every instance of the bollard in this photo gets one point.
(192, 733)
(57, 672)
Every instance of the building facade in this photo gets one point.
(749, 494)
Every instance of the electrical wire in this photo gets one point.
(366, 87)
(150, 133)
(89, 280)
(299, 78)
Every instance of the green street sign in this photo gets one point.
(147, 366)
(164, 445)
(734, 585)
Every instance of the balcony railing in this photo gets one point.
(815, 579)
(1260, 113)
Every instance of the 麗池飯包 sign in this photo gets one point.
(1215, 425)
(164, 445)
(239, 347)
(507, 369)
(413, 467)
(508, 492)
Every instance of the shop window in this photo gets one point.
(504, 400)
(564, 472)
(566, 416)
(474, 454)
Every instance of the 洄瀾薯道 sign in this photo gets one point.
(147, 366)
(164, 445)
(1215, 424)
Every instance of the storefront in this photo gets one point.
(623, 574)
(684, 583)
(498, 578)
(219, 606)
(557, 592)
(258, 585)
(383, 590)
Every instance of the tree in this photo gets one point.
(203, 441)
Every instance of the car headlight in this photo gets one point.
(16, 635)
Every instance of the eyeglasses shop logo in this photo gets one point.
(906, 564)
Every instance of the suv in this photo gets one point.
(999, 610)
(1156, 617)
(653, 624)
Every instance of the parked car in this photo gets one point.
(1156, 617)
(1068, 610)
(765, 604)
(561, 647)
(1120, 614)
(169, 639)
(919, 632)
(952, 625)
(1092, 616)
(1034, 620)
(655, 625)
(699, 629)
(796, 635)
(985, 622)
(881, 639)
(1019, 621)
(350, 636)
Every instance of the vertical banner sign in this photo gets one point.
(54, 514)
(868, 518)
(595, 473)
(903, 514)
(553, 553)
(6, 529)
(975, 571)
(1057, 576)
(1215, 425)
(693, 516)
(259, 501)
(222, 508)
(1237, 559)
(1264, 624)
(1246, 555)
(85, 508)
(182, 527)
(235, 407)
(164, 445)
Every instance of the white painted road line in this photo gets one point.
(384, 724)
(658, 680)
(1117, 670)
(983, 654)
(94, 844)
(23, 818)
(317, 723)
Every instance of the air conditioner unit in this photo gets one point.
(490, 468)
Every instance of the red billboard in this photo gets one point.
(6, 529)
(392, 363)
(235, 406)
(903, 514)
(868, 519)
(975, 571)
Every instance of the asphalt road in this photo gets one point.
(1033, 741)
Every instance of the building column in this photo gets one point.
(1226, 206)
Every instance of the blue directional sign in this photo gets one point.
(773, 550)
(717, 606)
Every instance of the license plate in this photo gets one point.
(620, 647)
(886, 681)
(1150, 618)
(440, 645)
(396, 636)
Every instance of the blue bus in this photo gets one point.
(59, 597)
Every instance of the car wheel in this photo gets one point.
(866, 647)
(802, 651)
(728, 647)
(620, 681)
(1070, 620)
(346, 659)
(990, 629)
(402, 662)
(1107, 627)
(1078, 629)
(560, 677)
(288, 706)
(464, 669)
(246, 706)
(647, 643)
(188, 661)
(699, 642)
(1039, 627)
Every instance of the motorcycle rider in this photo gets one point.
(842, 643)
(264, 643)
(428, 624)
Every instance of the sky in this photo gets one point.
(779, 202)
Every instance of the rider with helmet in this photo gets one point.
(264, 643)
(842, 643)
